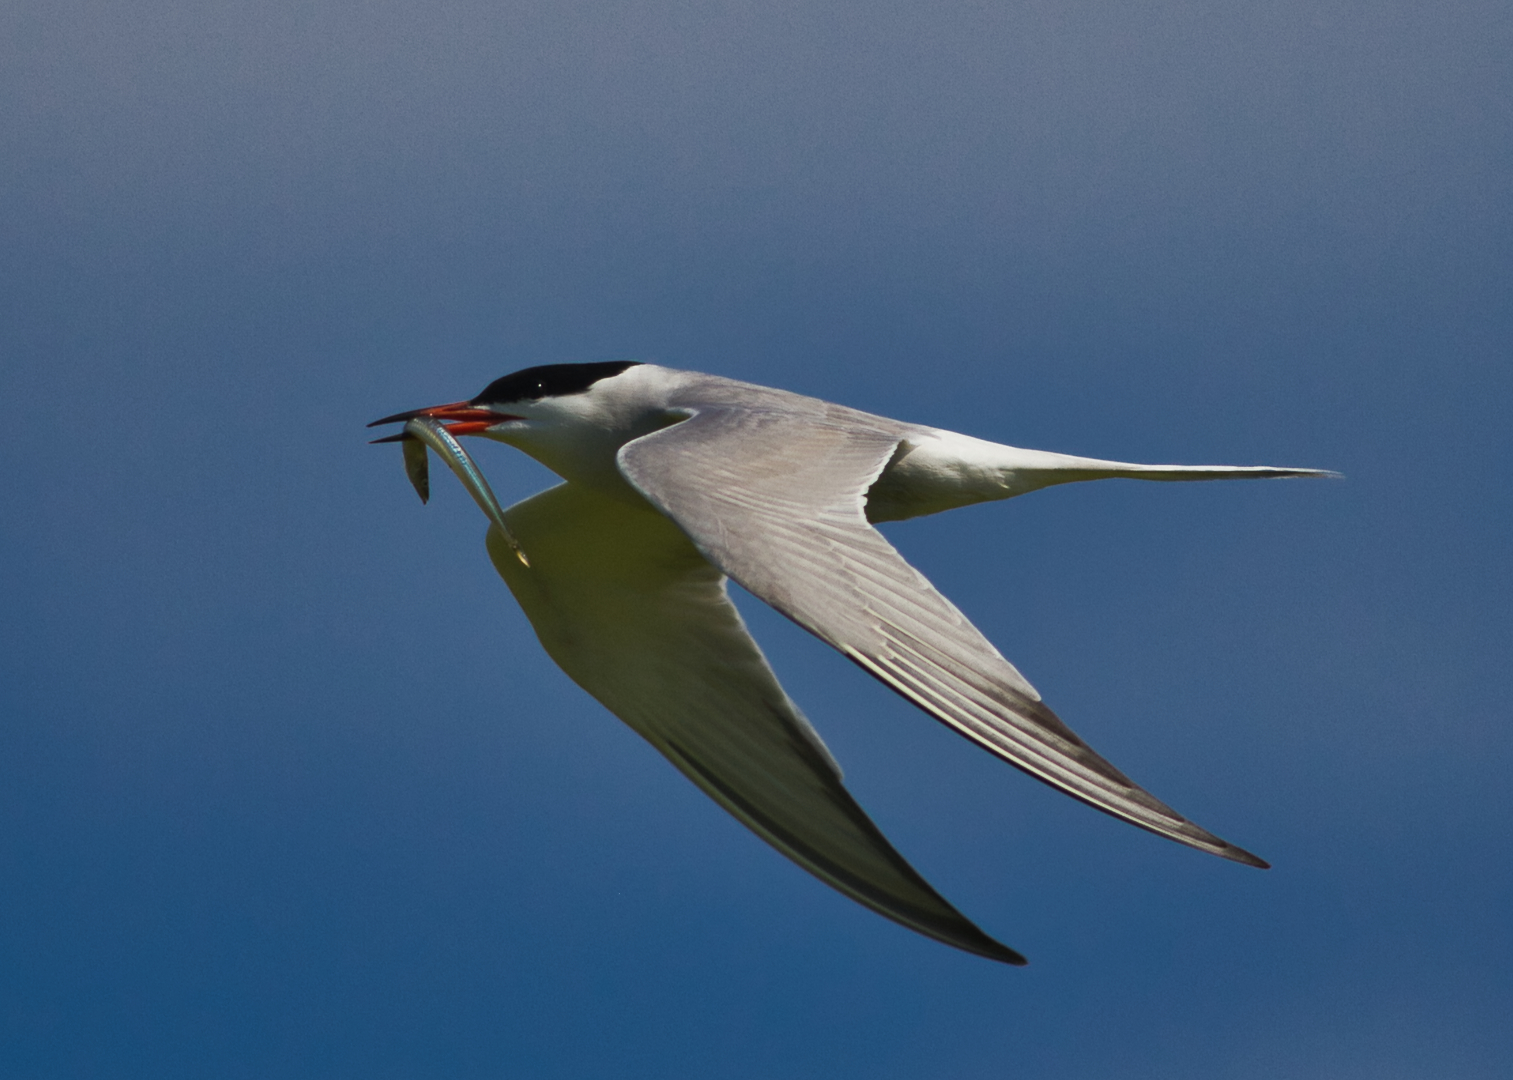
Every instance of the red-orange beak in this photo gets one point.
(460, 417)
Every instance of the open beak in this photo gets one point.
(460, 418)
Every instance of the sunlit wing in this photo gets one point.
(635, 615)
(777, 501)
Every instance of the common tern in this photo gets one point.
(674, 482)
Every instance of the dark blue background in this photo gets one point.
(287, 788)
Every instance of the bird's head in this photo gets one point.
(550, 395)
(570, 417)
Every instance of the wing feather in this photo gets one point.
(634, 614)
(777, 501)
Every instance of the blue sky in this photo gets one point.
(287, 787)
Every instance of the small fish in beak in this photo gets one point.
(418, 467)
(422, 431)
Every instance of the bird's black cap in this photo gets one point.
(548, 380)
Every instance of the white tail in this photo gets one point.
(945, 470)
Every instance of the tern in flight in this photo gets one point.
(675, 481)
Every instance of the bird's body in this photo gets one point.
(675, 480)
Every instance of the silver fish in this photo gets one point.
(427, 432)
(418, 467)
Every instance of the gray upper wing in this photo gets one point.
(634, 614)
(776, 499)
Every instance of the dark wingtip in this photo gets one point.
(1245, 858)
(975, 941)
(403, 436)
(1009, 956)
